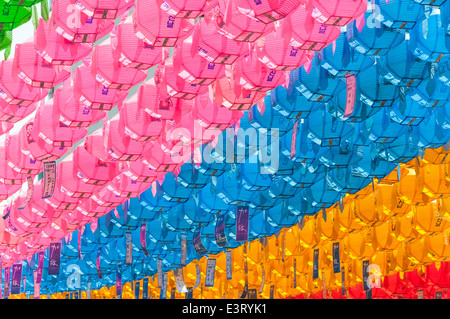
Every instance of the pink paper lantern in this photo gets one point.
(75, 25)
(90, 208)
(104, 9)
(56, 49)
(137, 123)
(48, 128)
(281, 57)
(71, 112)
(235, 99)
(158, 160)
(133, 52)
(110, 73)
(119, 145)
(8, 176)
(177, 87)
(308, 33)
(11, 113)
(34, 70)
(267, 11)
(106, 198)
(93, 94)
(213, 116)
(71, 184)
(217, 48)
(18, 161)
(16, 92)
(125, 187)
(35, 147)
(237, 26)
(256, 76)
(187, 9)
(139, 172)
(92, 170)
(156, 27)
(150, 99)
(195, 69)
(338, 12)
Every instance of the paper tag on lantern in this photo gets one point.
(263, 279)
(49, 179)
(172, 293)
(160, 273)
(252, 294)
(336, 258)
(183, 250)
(29, 193)
(316, 264)
(163, 294)
(40, 267)
(272, 290)
(145, 288)
(99, 272)
(228, 265)
(88, 290)
(294, 139)
(210, 272)
(219, 232)
(198, 276)
(295, 273)
(365, 269)
(54, 258)
(324, 286)
(197, 241)
(136, 289)
(351, 94)
(420, 294)
(369, 294)
(16, 278)
(7, 281)
(242, 218)
(119, 282)
(37, 286)
(179, 280)
(129, 250)
(142, 238)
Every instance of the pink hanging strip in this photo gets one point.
(351, 93)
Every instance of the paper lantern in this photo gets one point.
(133, 52)
(93, 94)
(57, 50)
(16, 92)
(75, 25)
(267, 12)
(156, 27)
(281, 57)
(338, 13)
(195, 69)
(108, 72)
(103, 9)
(230, 22)
(308, 33)
(137, 123)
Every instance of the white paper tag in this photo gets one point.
(179, 280)
(183, 250)
(160, 275)
(229, 265)
(210, 272)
